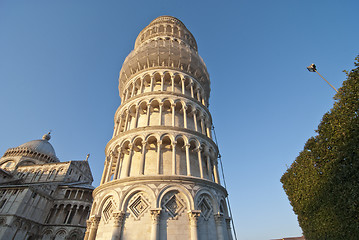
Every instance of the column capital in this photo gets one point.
(95, 219)
(88, 225)
(228, 222)
(194, 215)
(198, 149)
(155, 214)
(218, 217)
(118, 217)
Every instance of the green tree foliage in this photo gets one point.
(322, 184)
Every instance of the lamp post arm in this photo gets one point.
(326, 80)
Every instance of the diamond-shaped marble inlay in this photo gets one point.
(174, 205)
(139, 206)
(205, 208)
(107, 211)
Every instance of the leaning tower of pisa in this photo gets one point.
(160, 178)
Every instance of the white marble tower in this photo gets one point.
(160, 180)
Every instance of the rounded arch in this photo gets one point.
(111, 194)
(137, 138)
(151, 136)
(180, 189)
(183, 137)
(126, 196)
(223, 207)
(194, 142)
(47, 231)
(75, 234)
(61, 232)
(167, 135)
(125, 143)
(212, 197)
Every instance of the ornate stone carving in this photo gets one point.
(218, 217)
(228, 222)
(155, 214)
(205, 206)
(174, 206)
(193, 216)
(138, 206)
(118, 218)
(95, 221)
(88, 225)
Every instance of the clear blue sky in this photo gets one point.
(60, 61)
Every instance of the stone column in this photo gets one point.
(188, 162)
(193, 219)
(118, 218)
(198, 95)
(160, 113)
(184, 108)
(128, 167)
(151, 86)
(136, 116)
(126, 121)
(173, 83)
(133, 89)
(95, 220)
(219, 225)
(191, 86)
(158, 156)
(70, 215)
(174, 158)
(143, 158)
(183, 87)
(229, 230)
(122, 117)
(155, 214)
(141, 88)
(116, 175)
(104, 171)
(208, 127)
(202, 124)
(199, 150)
(88, 227)
(108, 178)
(195, 120)
(173, 114)
(82, 194)
(162, 82)
(209, 167)
(215, 172)
(126, 95)
(148, 114)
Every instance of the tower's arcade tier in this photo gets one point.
(161, 168)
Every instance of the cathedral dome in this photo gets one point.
(40, 149)
(41, 146)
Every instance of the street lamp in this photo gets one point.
(313, 68)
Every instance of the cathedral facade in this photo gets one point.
(160, 177)
(41, 197)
